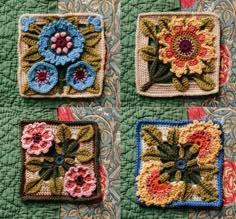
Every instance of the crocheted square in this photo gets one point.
(177, 54)
(60, 161)
(61, 55)
(179, 163)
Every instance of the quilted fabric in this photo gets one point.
(11, 205)
(129, 117)
(10, 11)
(129, 12)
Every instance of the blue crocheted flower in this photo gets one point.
(96, 22)
(60, 42)
(26, 21)
(80, 76)
(42, 77)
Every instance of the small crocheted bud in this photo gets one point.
(164, 177)
(194, 149)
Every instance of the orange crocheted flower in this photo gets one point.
(151, 191)
(207, 136)
(187, 45)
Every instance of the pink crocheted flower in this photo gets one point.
(80, 181)
(37, 138)
(224, 64)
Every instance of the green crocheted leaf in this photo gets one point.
(148, 53)
(34, 185)
(95, 89)
(74, 20)
(205, 82)
(85, 133)
(56, 185)
(173, 136)
(209, 67)
(63, 132)
(208, 23)
(163, 22)
(84, 155)
(148, 28)
(151, 135)
(90, 55)
(34, 164)
(206, 190)
(181, 84)
(71, 146)
(92, 39)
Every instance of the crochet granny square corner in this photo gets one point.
(177, 54)
(60, 161)
(61, 55)
(179, 163)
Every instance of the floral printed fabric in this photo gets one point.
(61, 56)
(179, 163)
(60, 161)
(179, 52)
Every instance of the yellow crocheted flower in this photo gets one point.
(151, 192)
(207, 136)
(187, 45)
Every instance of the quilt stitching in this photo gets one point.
(60, 161)
(177, 54)
(61, 55)
(179, 163)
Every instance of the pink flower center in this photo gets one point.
(37, 138)
(42, 76)
(80, 181)
(61, 43)
(80, 74)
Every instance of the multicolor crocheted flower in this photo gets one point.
(207, 136)
(188, 47)
(151, 191)
(80, 181)
(42, 77)
(60, 42)
(37, 138)
(80, 76)
(96, 22)
(26, 21)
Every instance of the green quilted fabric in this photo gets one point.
(10, 11)
(129, 117)
(129, 12)
(11, 206)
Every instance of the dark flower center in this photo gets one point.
(80, 74)
(37, 138)
(79, 181)
(61, 42)
(59, 160)
(185, 46)
(41, 76)
(181, 164)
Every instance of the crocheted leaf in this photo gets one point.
(84, 155)
(71, 90)
(32, 50)
(209, 67)
(94, 89)
(181, 84)
(151, 135)
(27, 90)
(29, 41)
(34, 185)
(154, 154)
(32, 54)
(56, 185)
(88, 29)
(208, 23)
(34, 164)
(173, 136)
(206, 191)
(148, 53)
(163, 22)
(96, 65)
(35, 28)
(74, 20)
(46, 171)
(63, 132)
(30, 36)
(90, 55)
(148, 28)
(92, 39)
(85, 133)
(188, 191)
(205, 82)
(70, 146)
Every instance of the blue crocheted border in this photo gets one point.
(191, 203)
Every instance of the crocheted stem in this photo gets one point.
(61, 80)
